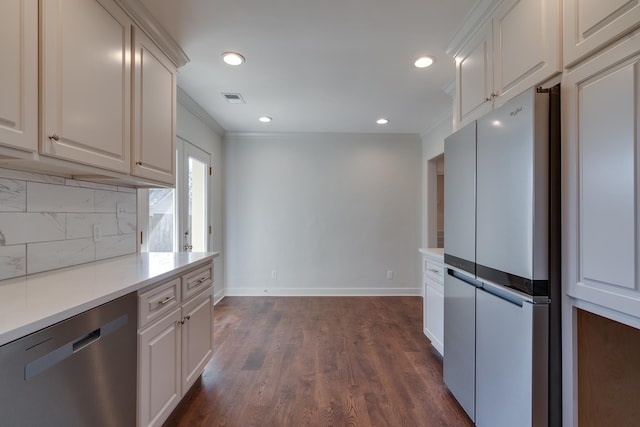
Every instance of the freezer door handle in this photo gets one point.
(503, 295)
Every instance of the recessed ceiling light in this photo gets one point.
(382, 121)
(424, 61)
(264, 119)
(232, 58)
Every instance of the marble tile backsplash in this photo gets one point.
(47, 222)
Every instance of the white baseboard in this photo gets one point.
(322, 292)
(218, 296)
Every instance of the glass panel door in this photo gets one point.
(177, 219)
(161, 220)
(195, 224)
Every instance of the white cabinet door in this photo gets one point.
(19, 71)
(526, 43)
(601, 108)
(435, 317)
(591, 24)
(86, 76)
(154, 112)
(197, 337)
(434, 299)
(474, 78)
(159, 370)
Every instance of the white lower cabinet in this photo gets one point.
(175, 342)
(434, 324)
(197, 337)
(159, 369)
(433, 314)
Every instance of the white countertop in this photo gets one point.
(30, 303)
(437, 252)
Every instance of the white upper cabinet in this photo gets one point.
(19, 74)
(86, 76)
(601, 109)
(526, 43)
(591, 24)
(474, 77)
(154, 112)
(504, 48)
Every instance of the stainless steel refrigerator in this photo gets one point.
(502, 287)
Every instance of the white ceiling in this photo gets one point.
(317, 65)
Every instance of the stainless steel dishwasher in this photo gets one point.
(79, 372)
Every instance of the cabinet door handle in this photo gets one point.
(166, 300)
(139, 163)
(55, 137)
(490, 97)
(188, 316)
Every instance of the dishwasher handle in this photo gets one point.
(67, 350)
(86, 341)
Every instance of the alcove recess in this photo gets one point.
(440, 200)
(608, 372)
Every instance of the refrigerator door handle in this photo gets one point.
(461, 276)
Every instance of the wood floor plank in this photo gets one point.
(320, 361)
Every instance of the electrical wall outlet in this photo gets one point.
(97, 233)
(389, 274)
(274, 274)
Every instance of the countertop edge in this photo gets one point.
(37, 323)
(435, 253)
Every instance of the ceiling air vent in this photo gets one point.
(233, 98)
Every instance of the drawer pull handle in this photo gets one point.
(200, 280)
(433, 270)
(167, 299)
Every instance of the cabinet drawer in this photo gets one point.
(193, 283)
(157, 301)
(434, 272)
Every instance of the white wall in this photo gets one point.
(330, 212)
(196, 127)
(432, 147)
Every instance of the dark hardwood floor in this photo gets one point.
(320, 361)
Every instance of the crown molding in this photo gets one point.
(478, 15)
(450, 89)
(194, 108)
(445, 117)
(145, 20)
(318, 136)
